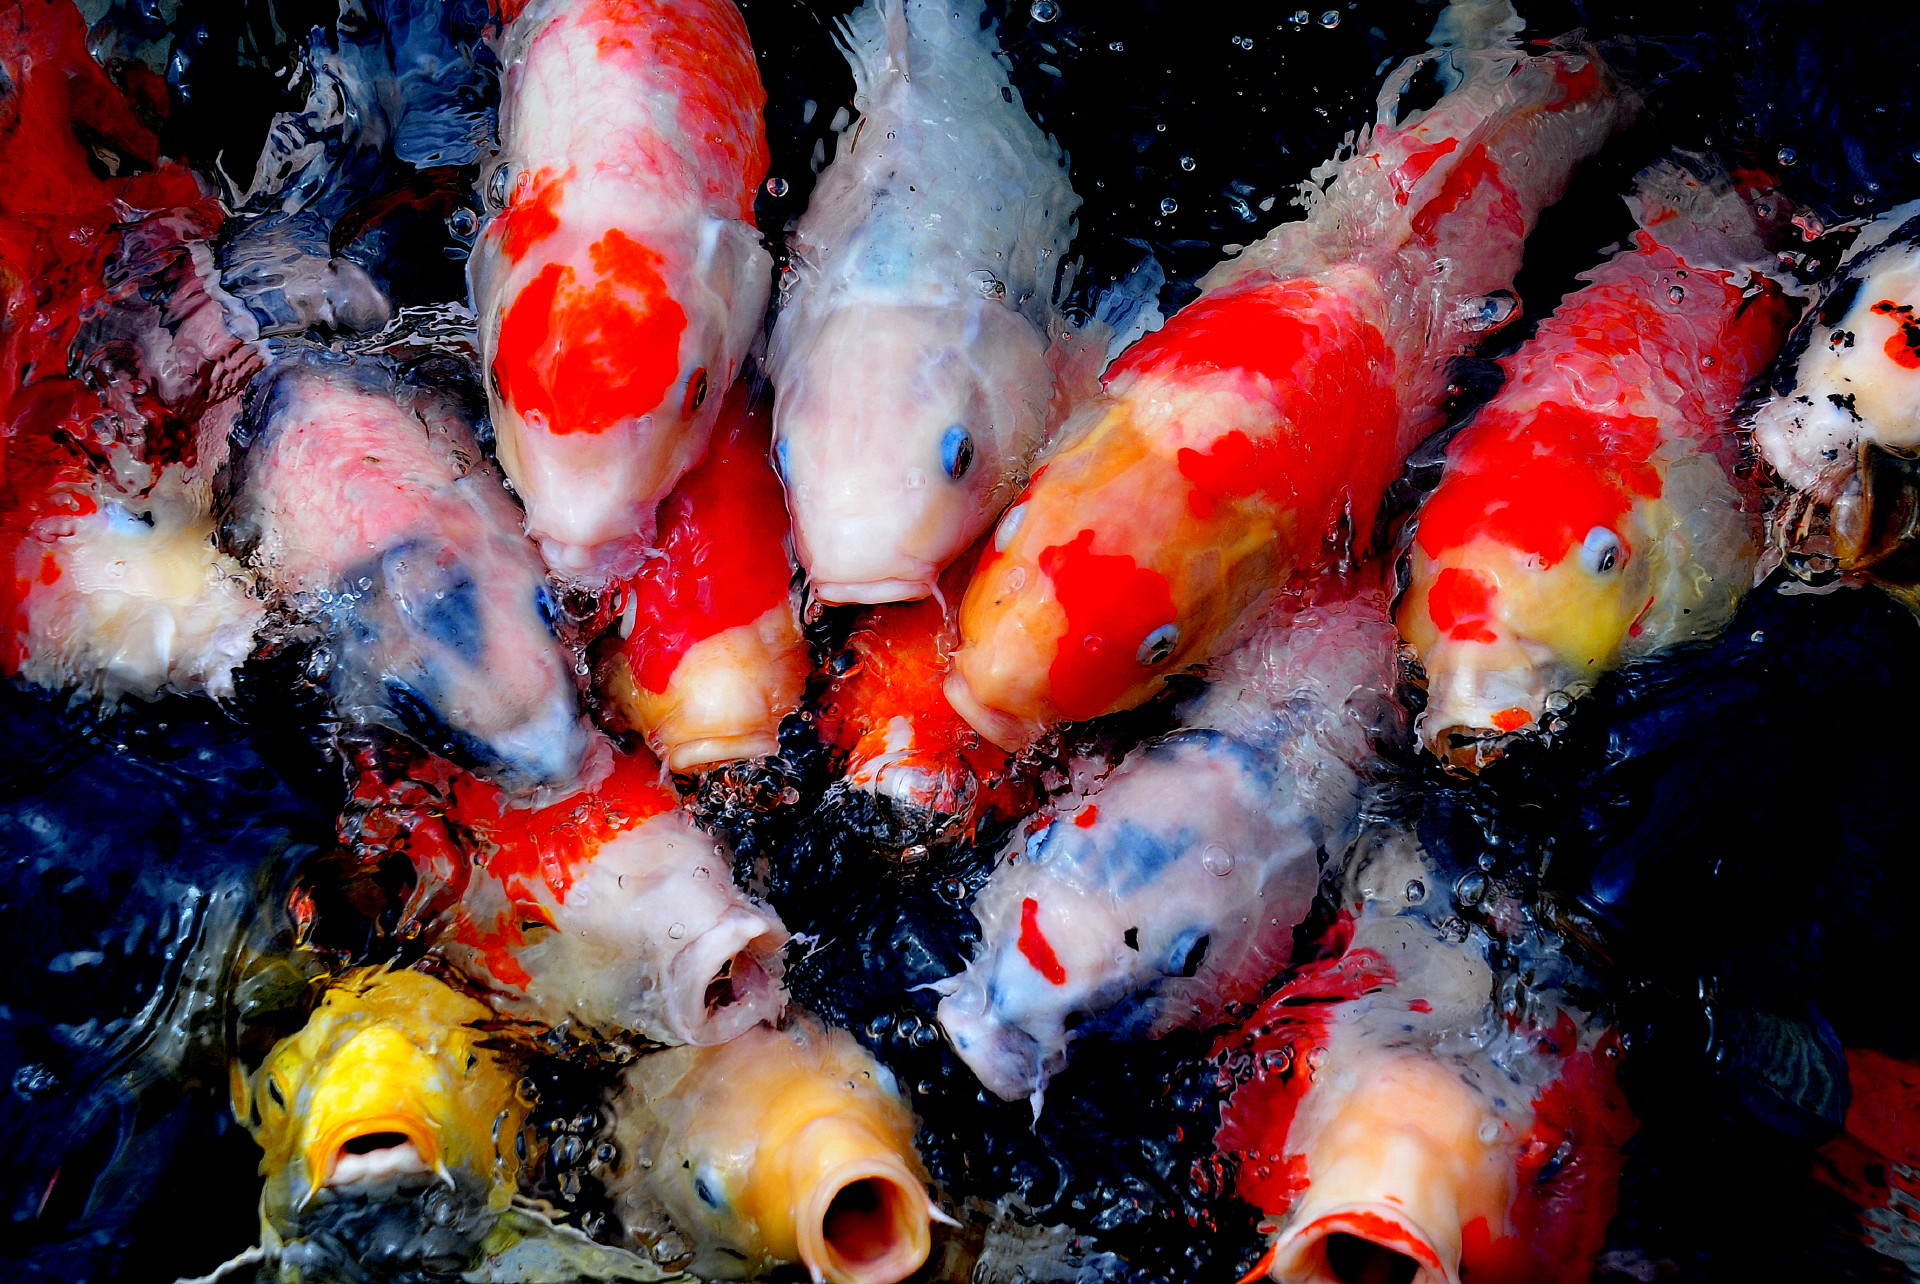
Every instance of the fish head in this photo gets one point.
(898, 432)
(1533, 572)
(386, 1090)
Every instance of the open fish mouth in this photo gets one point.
(1470, 749)
(374, 1152)
(1862, 515)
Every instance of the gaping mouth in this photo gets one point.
(727, 980)
(1469, 749)
(378, 1154)
(1360, 1246)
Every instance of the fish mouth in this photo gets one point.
(1481, 699)
(870, 592)
(861, 1216)
(1863, 513)
(1469, 749)
(1009, 731)
(1372, 1243)
(366, 1152)
(726, 981)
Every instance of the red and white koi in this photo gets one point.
(1250, 440)
(612, 909)
(369, 507)
(1395, 1120)
(1125, 905)
(1844, 422)
(1593, 513)
(621, 281)
(911, 349)
(712, 658)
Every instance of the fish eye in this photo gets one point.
(696, 391)
(956, 451)
(1601, 551)
(273, 1090)
(708, 1190)
(497, 184)
(1159, 644)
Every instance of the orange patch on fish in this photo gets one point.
(1111, 604)
(1461, 605)
(1035, 947)
(1904, 347)
(588, 357)
(1511, 719)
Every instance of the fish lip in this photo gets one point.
(713, 751)
(906, 1207)
(1010, 732)
(1295, 1261)
(744, 945)
(1465, 750)
(325, 1155)
(1008, 1061)
(871, 592)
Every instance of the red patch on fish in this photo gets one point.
(1904, 345)
(1034, 946)
(1087, 816)
(723, 533)
(1475, 179)
(1460, 604)
(1511, 719)
(1111, 603)
(533, 214)
(1382, 1231)
(586, 357)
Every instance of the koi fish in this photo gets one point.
(1593, 512)
(712, 658)
(369, 506)
(1397, 1124)
(621, 281)
(1125, 906)
(1843, 422)
(910, 353)
(121, 369)
(390, 1086)
(914, 771)
(789, 1145)
(1251, 439)
(612, 909)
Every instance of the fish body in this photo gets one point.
(1127, 905)
(1843, 422)
(713, 659)
(1593, 512)
(369, 505)
(388, 1088)
(1250, 440)
(1397, 1123)
(789, 1145)
(911, 350)
(914, 771)
(621, 281)
(614, 910)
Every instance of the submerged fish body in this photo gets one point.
(911, 350)
(1593, 513)
(788, 1145)
(621, 281)
(369, 505)
(1134, 901)
(389, 1088)
(1401, 1121)
(1251, 439)
(914, 771)
(1843, 423)
(614, 910)
(713, 659)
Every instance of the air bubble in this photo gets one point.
(1118, 47)
(677, 931)
(1416, 891)
(1330, 19)
(988, 285)
(777, 186)
(1677, 294)
(1300, 17)
(1044, 11)
(1168, 205)
(497, 187)
(1186, 162)
(463, 223)
(1471, 889)
(1216, 860)
(1787, 155)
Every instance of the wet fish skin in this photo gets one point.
(368, 505)
(621, 281)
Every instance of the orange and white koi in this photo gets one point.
(914, 772)
(1593, 512)
(1251, 439)
(613, 909)
(621, 281)
(712, 658)
(1843, 424)
(911, 349)
(1398, 1123)
(788, 1145)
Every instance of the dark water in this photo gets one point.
(1726, 837)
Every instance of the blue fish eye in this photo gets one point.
(1601, 550)
(1159, 644)
(956, 451)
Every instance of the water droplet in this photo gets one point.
(1044, 11)
(916, 479)
(1330, 19)
(463, 223)
(1300, 17)
(989, 285)
(1787, 155)
(777, 186)
(1471, 889)
(789, 796)
(926, 1037)
(1758, 635)
(1416, 891)
(1491, 310)
(1117, 47)
(676, 931)
(1168, 205)
(1016, 578)
(1216, 860)
(1677, 293)
(1489, 1131)
(1186, 162)
(497, 187)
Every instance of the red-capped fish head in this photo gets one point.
(1532, 574)
(898, 434)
